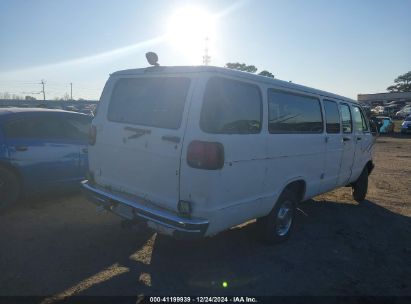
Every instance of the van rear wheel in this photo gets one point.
(276, 227)
(360, 187)
(9, 188)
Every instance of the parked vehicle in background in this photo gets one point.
(378, 110)
(404, 112)
(40, 149)
(391, 110)
(406, 125)
(375, 124)
(192, 151)
(386, 124)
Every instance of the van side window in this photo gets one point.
(359, 121)
(292, 113)
(155, 101)
(231, 107)
(346, 118)
(332, 116)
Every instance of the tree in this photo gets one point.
(402, 83)
(266, 74)
(241, 67)
(16, 97)
(247, 68)
(5, 95)
(66, 97)
(27, 97)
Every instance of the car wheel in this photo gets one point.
(277, 225)
(9, 188)
(360, 187)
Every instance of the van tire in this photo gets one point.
(360, 187)
(269, 227)
(10, 188)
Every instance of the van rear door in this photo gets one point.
(139, 137)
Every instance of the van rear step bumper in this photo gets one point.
(135, 210)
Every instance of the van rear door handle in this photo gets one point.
(171, 138)
(138, 132)
(21, 148)
(359, 138)
(346, 138)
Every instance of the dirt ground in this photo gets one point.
(60, 247)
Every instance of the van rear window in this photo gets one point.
(155, 102)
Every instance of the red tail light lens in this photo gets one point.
(205, 155)
(92, 135)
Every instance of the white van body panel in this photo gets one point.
(228, 196)
(132, 164)
(257, 167)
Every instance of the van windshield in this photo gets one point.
(155, 102)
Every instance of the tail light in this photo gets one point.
(205, 155)
(92, 135)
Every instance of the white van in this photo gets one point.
(193, 151)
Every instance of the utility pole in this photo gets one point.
(71, 91)
(206, 57)
(44, 93)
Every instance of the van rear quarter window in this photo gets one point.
(151, 101)
(231, 107)
(292, 113)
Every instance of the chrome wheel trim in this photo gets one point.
(284, 218)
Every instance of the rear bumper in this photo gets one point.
(135, 209)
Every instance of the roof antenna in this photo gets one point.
(152, 58)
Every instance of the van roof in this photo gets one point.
(226, 71)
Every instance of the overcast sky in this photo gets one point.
(346, 47)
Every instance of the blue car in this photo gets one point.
(41, 150)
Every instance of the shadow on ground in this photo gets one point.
(336, 249)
